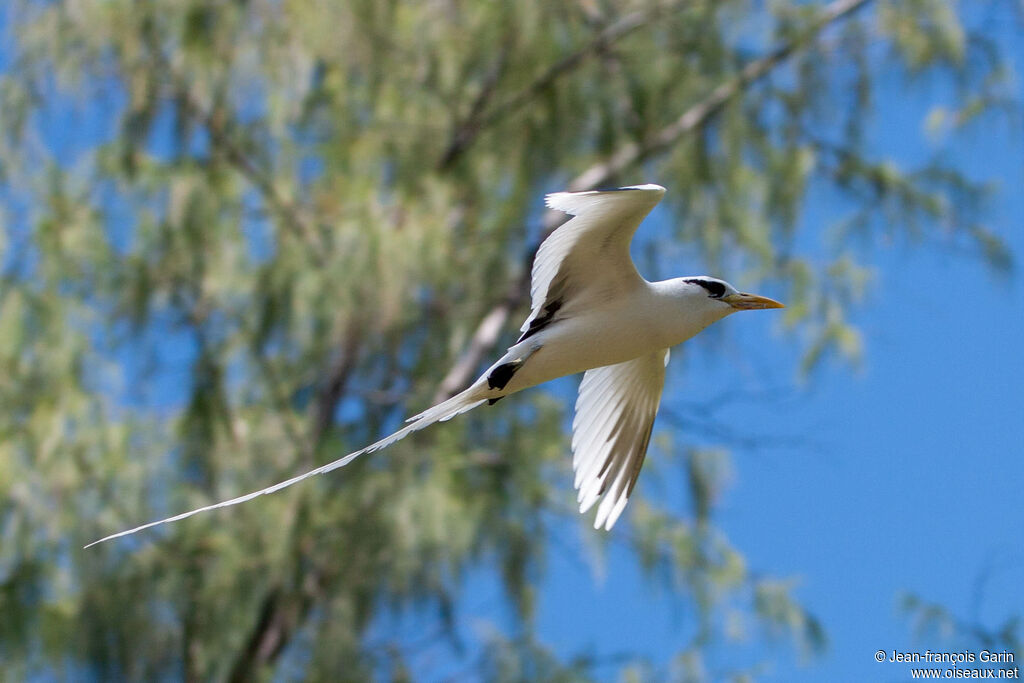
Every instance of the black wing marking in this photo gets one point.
(556, 296)
(502, 375)
(546, 317)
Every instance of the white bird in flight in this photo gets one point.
(591, 312)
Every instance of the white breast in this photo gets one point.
(656, 316)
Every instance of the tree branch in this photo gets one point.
(281, 612)
(698, 114)
(220, 139)
(487, 333)
(466, 131)
(483, 340)
(334, 384)
(474, 124)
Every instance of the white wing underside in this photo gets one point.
(587, 258)
(615, 414)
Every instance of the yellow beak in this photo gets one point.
(750, 302)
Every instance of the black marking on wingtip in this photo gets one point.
(502, 375)
(492, 401)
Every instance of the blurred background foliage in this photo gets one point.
(969, 633)
(243, 238)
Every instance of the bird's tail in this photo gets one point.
(458, 404)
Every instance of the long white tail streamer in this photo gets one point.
(456, 405)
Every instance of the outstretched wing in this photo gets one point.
(587, 259)
(615, 414)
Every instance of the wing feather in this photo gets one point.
(588, 255)
(611, 430)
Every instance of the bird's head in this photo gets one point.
(725, 298)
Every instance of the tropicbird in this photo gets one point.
(591, 312)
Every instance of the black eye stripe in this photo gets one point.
(716, 290)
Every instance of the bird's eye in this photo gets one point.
(715, 290)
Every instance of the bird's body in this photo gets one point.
(652, 316)
(591, 312)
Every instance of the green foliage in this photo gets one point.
(291, 218)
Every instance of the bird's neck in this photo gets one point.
(683, 310)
